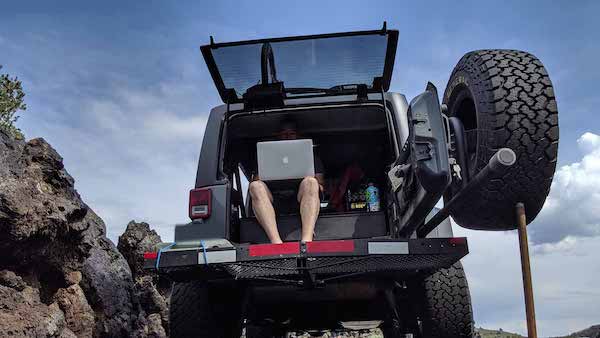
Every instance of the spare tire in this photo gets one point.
(504, 98)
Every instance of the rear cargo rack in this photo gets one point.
(307, 264)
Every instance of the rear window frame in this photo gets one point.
(229, 95)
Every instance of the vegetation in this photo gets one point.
(591, 332)
(483, 333)
(11, 101)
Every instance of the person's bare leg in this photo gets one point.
(262, 204)
(308, 196)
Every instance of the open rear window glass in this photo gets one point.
(309, 62)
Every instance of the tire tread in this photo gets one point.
(447, 307)
(516, 108)
(199, 312)
(190, 315)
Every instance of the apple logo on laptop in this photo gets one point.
(285, 160)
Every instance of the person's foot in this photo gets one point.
(304, 240)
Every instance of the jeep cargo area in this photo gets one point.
(342, 137)
(392, 263)
(349, 240)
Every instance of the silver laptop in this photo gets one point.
(285, 160)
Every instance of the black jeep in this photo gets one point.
(491, 144)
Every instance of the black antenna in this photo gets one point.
(384, 28)
(212, 41)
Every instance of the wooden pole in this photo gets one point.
(526, 270)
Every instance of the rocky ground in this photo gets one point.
(59, 274)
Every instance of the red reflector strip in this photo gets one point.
(457, 240)
(289, 248)
(150, 255)
(330, 246)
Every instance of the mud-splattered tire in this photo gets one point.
(196, 313)
(504, 98)
(263, 332)
(446, 305)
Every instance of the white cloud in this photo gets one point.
(573, 206)
(174, 127)
(589, 143)
(567, 245)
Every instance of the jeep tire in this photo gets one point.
(264, 332)
(445, 304)
(504, 98)
(196, 312)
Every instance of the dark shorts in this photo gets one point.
(286, 202)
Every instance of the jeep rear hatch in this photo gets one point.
(299, 66)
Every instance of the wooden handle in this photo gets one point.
(526, 270)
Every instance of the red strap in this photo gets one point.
(352, 173)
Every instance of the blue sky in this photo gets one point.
(121, 91)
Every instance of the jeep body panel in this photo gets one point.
(209, 159)
(217, 226)
(399, 106)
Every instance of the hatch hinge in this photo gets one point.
(361, 92)
(262, 96)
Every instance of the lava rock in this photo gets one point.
(151, 292)
(22, 313)
(137, 239)
(79, 316)
(69, 276)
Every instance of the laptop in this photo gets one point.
(285, 160)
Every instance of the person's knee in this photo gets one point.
(258, 190)
(310, 185)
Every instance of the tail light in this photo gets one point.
(200, 200)
(150, 255)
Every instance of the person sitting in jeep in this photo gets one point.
(307, 196)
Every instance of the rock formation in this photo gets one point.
(151, 292)
(60, 276)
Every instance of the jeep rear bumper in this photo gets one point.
(304, 263)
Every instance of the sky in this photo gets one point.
(121, 91)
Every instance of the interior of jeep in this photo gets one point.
(355, 146)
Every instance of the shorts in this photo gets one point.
(285, 202)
